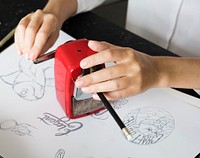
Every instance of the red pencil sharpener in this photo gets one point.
(74, 102)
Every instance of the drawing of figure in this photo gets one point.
(60, 153)
(149, 125)
(20, 129)
(30, 80)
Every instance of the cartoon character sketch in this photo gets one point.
(30, 80)
(149, 125)
(20, 129)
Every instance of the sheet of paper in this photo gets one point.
(33, 124)
(185, 97)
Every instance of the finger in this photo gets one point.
(108, 86)
(108, 55)
(96, 97)
(110, 73)
(50, 42)
(16, 40)
(32, 29)
(20, 32)
(119, 94)
(42, 36)
(99, 46)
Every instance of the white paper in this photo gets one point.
(185, 97)
(33, 124)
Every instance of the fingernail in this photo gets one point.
(19, 52)
(31, 56)
(85, 89)
(83, 64)
(79, 83)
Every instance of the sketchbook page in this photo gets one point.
(33, 124)
(185, 97)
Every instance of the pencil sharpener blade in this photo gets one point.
(74, 102)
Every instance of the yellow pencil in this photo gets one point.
(7, 37)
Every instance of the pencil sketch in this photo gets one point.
(103, 114)
(60, 153)
(63, 125)
(21, 129)
(30, 80)
(149, 125)
(117, 104)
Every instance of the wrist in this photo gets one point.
(61, 9)
(161, 67)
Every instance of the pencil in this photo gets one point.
(117, 119)
(45, 57)
(124, 129)
(7, 37)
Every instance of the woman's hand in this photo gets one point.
(133, 73)
(36, 33)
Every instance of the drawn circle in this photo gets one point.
(29, 90)
(21, 130)
(8, 124)
(149, 125)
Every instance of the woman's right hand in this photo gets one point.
(36, 33)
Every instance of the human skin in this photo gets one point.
(38, 31)
(135, 72)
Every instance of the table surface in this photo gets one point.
(87, 25)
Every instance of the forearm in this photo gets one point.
(178, 72)
(62, 9)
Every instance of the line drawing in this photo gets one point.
(63, 124)
(30, 80)
(21, 129)
(117, 104)
(149, 125)
(60, 153)
(103, 114)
